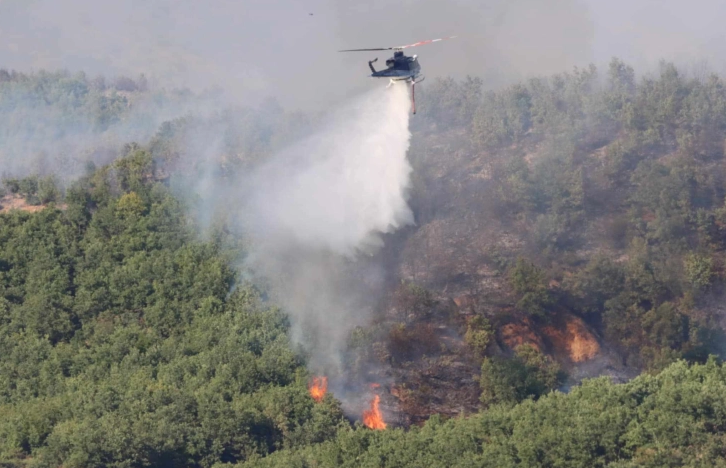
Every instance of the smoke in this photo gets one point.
(258, 48)
(315, 212)
(55, 123)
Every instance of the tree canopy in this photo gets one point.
(121, 344)
(128, 339)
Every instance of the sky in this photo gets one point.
(259, 48)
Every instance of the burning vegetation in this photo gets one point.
(318, 387)
(372, 417)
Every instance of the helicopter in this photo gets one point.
(400, 67)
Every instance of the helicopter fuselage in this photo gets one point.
(398, 68)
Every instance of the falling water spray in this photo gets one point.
(316, 212)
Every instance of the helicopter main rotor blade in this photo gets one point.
(366, 50)
(422, 43)
(399, 47)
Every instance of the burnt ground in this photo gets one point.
(458, 252)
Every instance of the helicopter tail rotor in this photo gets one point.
(371, 62)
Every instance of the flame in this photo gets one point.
(318, 388)
(372, 418)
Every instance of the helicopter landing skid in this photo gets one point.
(413, 96)
(413, 92)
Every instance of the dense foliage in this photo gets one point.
(617, 187)
(676, 418)
(125, 340)
(120, 344)
(60, 102)
(55, 122)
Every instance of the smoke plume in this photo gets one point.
(316, 210)
(85, 121)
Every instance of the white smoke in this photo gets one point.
(316, 209)
(61, 137)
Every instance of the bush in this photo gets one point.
(407, 343)
(26, 187)
(698, 270)
(600, 280)
(529, 284)
(478, 334)
(413, 301)
(48, 190)
(529, 374)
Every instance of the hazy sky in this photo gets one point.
(255, 48)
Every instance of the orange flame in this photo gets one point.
(372, 418)
(318, 388)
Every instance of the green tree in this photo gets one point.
(529, 374)
(478, 334)
(698, 270)
(528, 282)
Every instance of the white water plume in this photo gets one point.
(343, 185)
(316, 209)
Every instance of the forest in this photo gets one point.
(558, 302)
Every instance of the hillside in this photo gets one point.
(120, 340)
(674, 419)
(580, 214)
(566, 227)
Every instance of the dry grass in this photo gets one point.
(13, 202)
